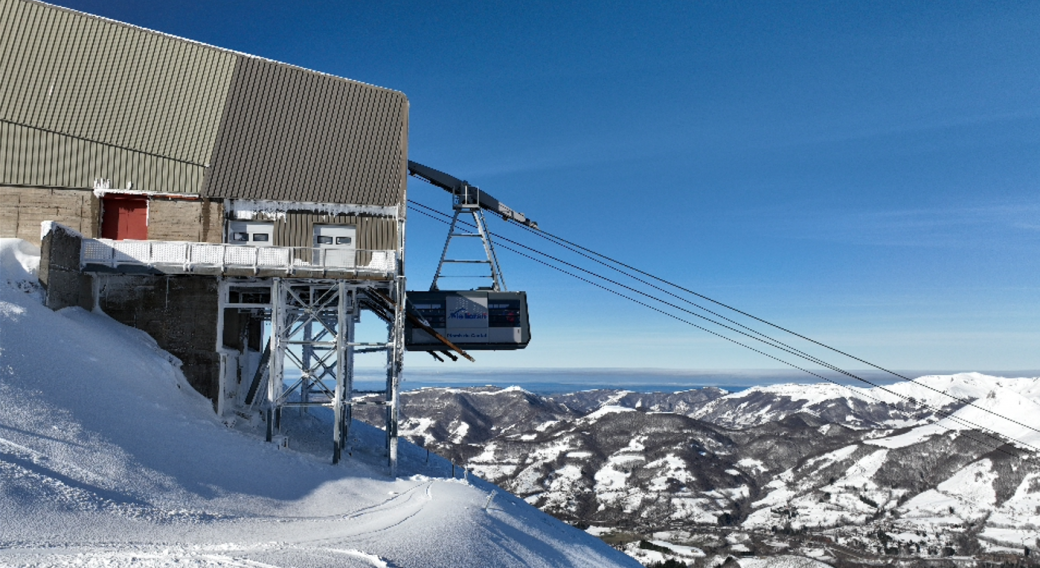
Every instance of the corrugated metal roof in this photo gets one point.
(294, 135)
(296, 229)
(30, 157)
(110, 83)
(82, 97)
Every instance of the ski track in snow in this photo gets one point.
(109, 458)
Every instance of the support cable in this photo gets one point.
(577, 249)
(1004, 439)
(777, 343)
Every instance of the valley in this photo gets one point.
(846, 476)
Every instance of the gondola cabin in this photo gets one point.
(472, 320)
(487, 318)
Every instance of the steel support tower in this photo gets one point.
(466, 201)
(312, 344)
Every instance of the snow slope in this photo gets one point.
(899, 477)
(109, 458)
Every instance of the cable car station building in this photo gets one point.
(196, 193)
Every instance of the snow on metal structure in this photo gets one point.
(251, 209)
(202, 258)
(312, 331)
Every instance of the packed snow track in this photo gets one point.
(109, 458)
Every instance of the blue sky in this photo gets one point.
(865, 173)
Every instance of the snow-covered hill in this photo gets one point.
(902, 404)
(866, 471)
(109, 458)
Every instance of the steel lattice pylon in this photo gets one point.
(465, 203)
(312, 331)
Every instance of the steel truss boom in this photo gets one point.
(467, 194)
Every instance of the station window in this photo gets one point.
(253, 233)
(323, 239)
(343, 240)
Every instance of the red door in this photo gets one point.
(124, 218)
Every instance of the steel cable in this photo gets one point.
(580, 250)
(763, 338)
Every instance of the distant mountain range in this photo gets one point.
(843, 475)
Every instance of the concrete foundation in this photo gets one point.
(60, 273)
(179, 312)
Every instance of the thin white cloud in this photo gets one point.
(961, 227)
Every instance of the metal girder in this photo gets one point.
(310, 317)
(498, 281)
(312, 331)
(345, 380)
(467, 193)
(394, 364)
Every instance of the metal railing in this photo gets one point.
(188, 257)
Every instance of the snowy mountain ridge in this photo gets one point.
(790, 465)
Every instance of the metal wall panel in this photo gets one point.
(83, 98)
(30, 157)
(289, 134)
(296, 229)
(110, 83)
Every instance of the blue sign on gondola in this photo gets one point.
(471, 319)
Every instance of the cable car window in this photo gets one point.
(261, 237)
(433, 313)
(429, 306)
(504, 313)
(240, 236)
(323, 240)
(343, 240)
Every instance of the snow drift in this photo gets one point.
(108, 457)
